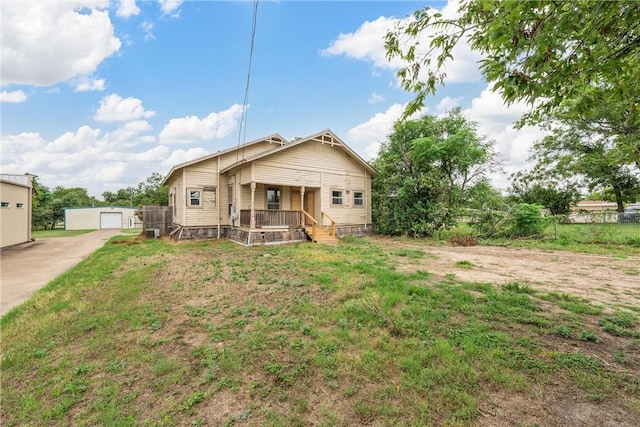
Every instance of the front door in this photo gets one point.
(309, 204)
(295, 201)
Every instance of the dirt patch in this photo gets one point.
(504, 409)
(603, 280)
(600, 279)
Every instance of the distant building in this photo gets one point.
(595, 206)
(632, 207)
(15, 209)
(590, 211)
(100, 217)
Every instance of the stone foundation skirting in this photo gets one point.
(195, 233)
(353, 230)
(265, 237)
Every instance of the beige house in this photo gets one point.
(590, 211)
(594, 206)
(15, 209)
(271, 191)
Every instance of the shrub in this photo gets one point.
(522, 220)
(527, 220)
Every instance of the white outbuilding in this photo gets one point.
(15, 210)
(101, 217)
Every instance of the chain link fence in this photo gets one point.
(606, 227)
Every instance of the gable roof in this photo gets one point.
(324, 137)
(275, 138)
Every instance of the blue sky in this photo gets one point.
(100, 94)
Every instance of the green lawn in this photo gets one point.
(157, 333)
(58, 232)
(609, 239)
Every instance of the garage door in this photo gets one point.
(110, 220)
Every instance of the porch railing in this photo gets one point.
(266, 218)
(333, 223)
(313, 223)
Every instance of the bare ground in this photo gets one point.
(601, 279)
(607, 281)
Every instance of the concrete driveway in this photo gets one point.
(28, 267)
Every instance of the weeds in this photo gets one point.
(294, 335)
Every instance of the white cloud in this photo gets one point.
(495, 120)
(180, 156)
(128, 135)
(375, 98)
(86, 84)
(71, 141)
(447, 104)
(367, 43)
(47, 42)
(13, 96)
(87, 157)
(490, 110)
(147, 29)
(191, 129)
(114, 108)
(127, 8)
(371, 134)
(169, 7)
(15, 146)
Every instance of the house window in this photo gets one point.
(230, 194)
(273, 198)
(174, 198)
(336, 197)
(20, 205)
(358, 198)
(195, 197)
(210, 194)
(4, 204)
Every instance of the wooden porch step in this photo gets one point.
(322, 235)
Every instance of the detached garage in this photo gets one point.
(101, 217)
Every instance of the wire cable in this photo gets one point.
(242, 132)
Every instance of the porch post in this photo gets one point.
(252, 223)
(302, 205)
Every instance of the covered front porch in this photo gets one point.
(289, 216)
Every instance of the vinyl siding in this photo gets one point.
(89, 218)
(196, 178)
(177, 187)
(205, 173)
(318, 167)
(15, 224)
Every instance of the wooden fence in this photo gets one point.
(157, 217)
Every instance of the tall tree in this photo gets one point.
(148, 192)
(541, 52)
(425, 171)
(41, 215)
(62, 198)
(555, 195)
(593, 160)
(151, 191)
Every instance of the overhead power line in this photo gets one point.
(242, 132)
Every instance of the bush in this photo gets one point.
(527, 220)
(522, 220)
